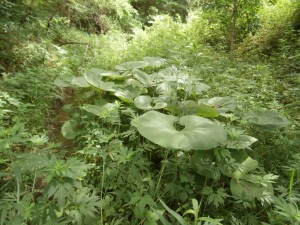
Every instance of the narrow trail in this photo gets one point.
(62, 116)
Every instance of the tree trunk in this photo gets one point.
(233, 25)
(68, 12)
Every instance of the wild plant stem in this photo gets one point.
(292, 181)
(200, 204)
(34, 180)
(162, 169)
(18, 190)
(102, 186)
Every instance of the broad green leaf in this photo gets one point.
(80, 81)
(68, 130)
(142, 77)
(166, 88)
(244, 189)
(190, 107)
(246, 163)
(248, 190)
(202, 162)
(198, 133)
(127, 94)
(146, 102)
(111, 74)
(207, 111)
(114, 75)
(106, 73)
(170, 73)
(222, 104)
(32, 161)
(132, 65)
(96, 71)
(198, 88)
(245, 167)
(242, 142)
(134, 83)
(155, 61)
(268, 119)
(103, 111)
(62, 83)
(94, 78)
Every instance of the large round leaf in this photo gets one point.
(110, 74)
(198, 88)
(143, 77)
(222, 104)
(132, 65)
(133, 83)
(94, 78)
(198, 133)
(127, 94)
(241, 142)
(68, 130)
(80, 81)
(248, 190)
(146, 102)
(202, 162)
(268, 120)
(155, 61)
(103, 111)
(62, 83)
(246, 163)
(191, 107)
(166, 88)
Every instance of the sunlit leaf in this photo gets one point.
(242, 142)
(198, 88)
(248, 191)
(222, 104)
(202, 162)
(198, 133)
(190, 107)
(246, 164)
(62, 83)
(132, 65)
(268, 119)
(142, 77)
(127, 94)
(155, 61)
(94, 78)
(102, 111)
(207, 111)
(80, 81)
(146, 102)
(166, 88)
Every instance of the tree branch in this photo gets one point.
(73, 43)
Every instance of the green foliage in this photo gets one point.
(83, 145)
(198, 133)
(35, 90)
(124, 91)
(276, 22)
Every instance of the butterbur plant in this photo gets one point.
(170, 113)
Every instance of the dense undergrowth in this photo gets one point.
(127, 116)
